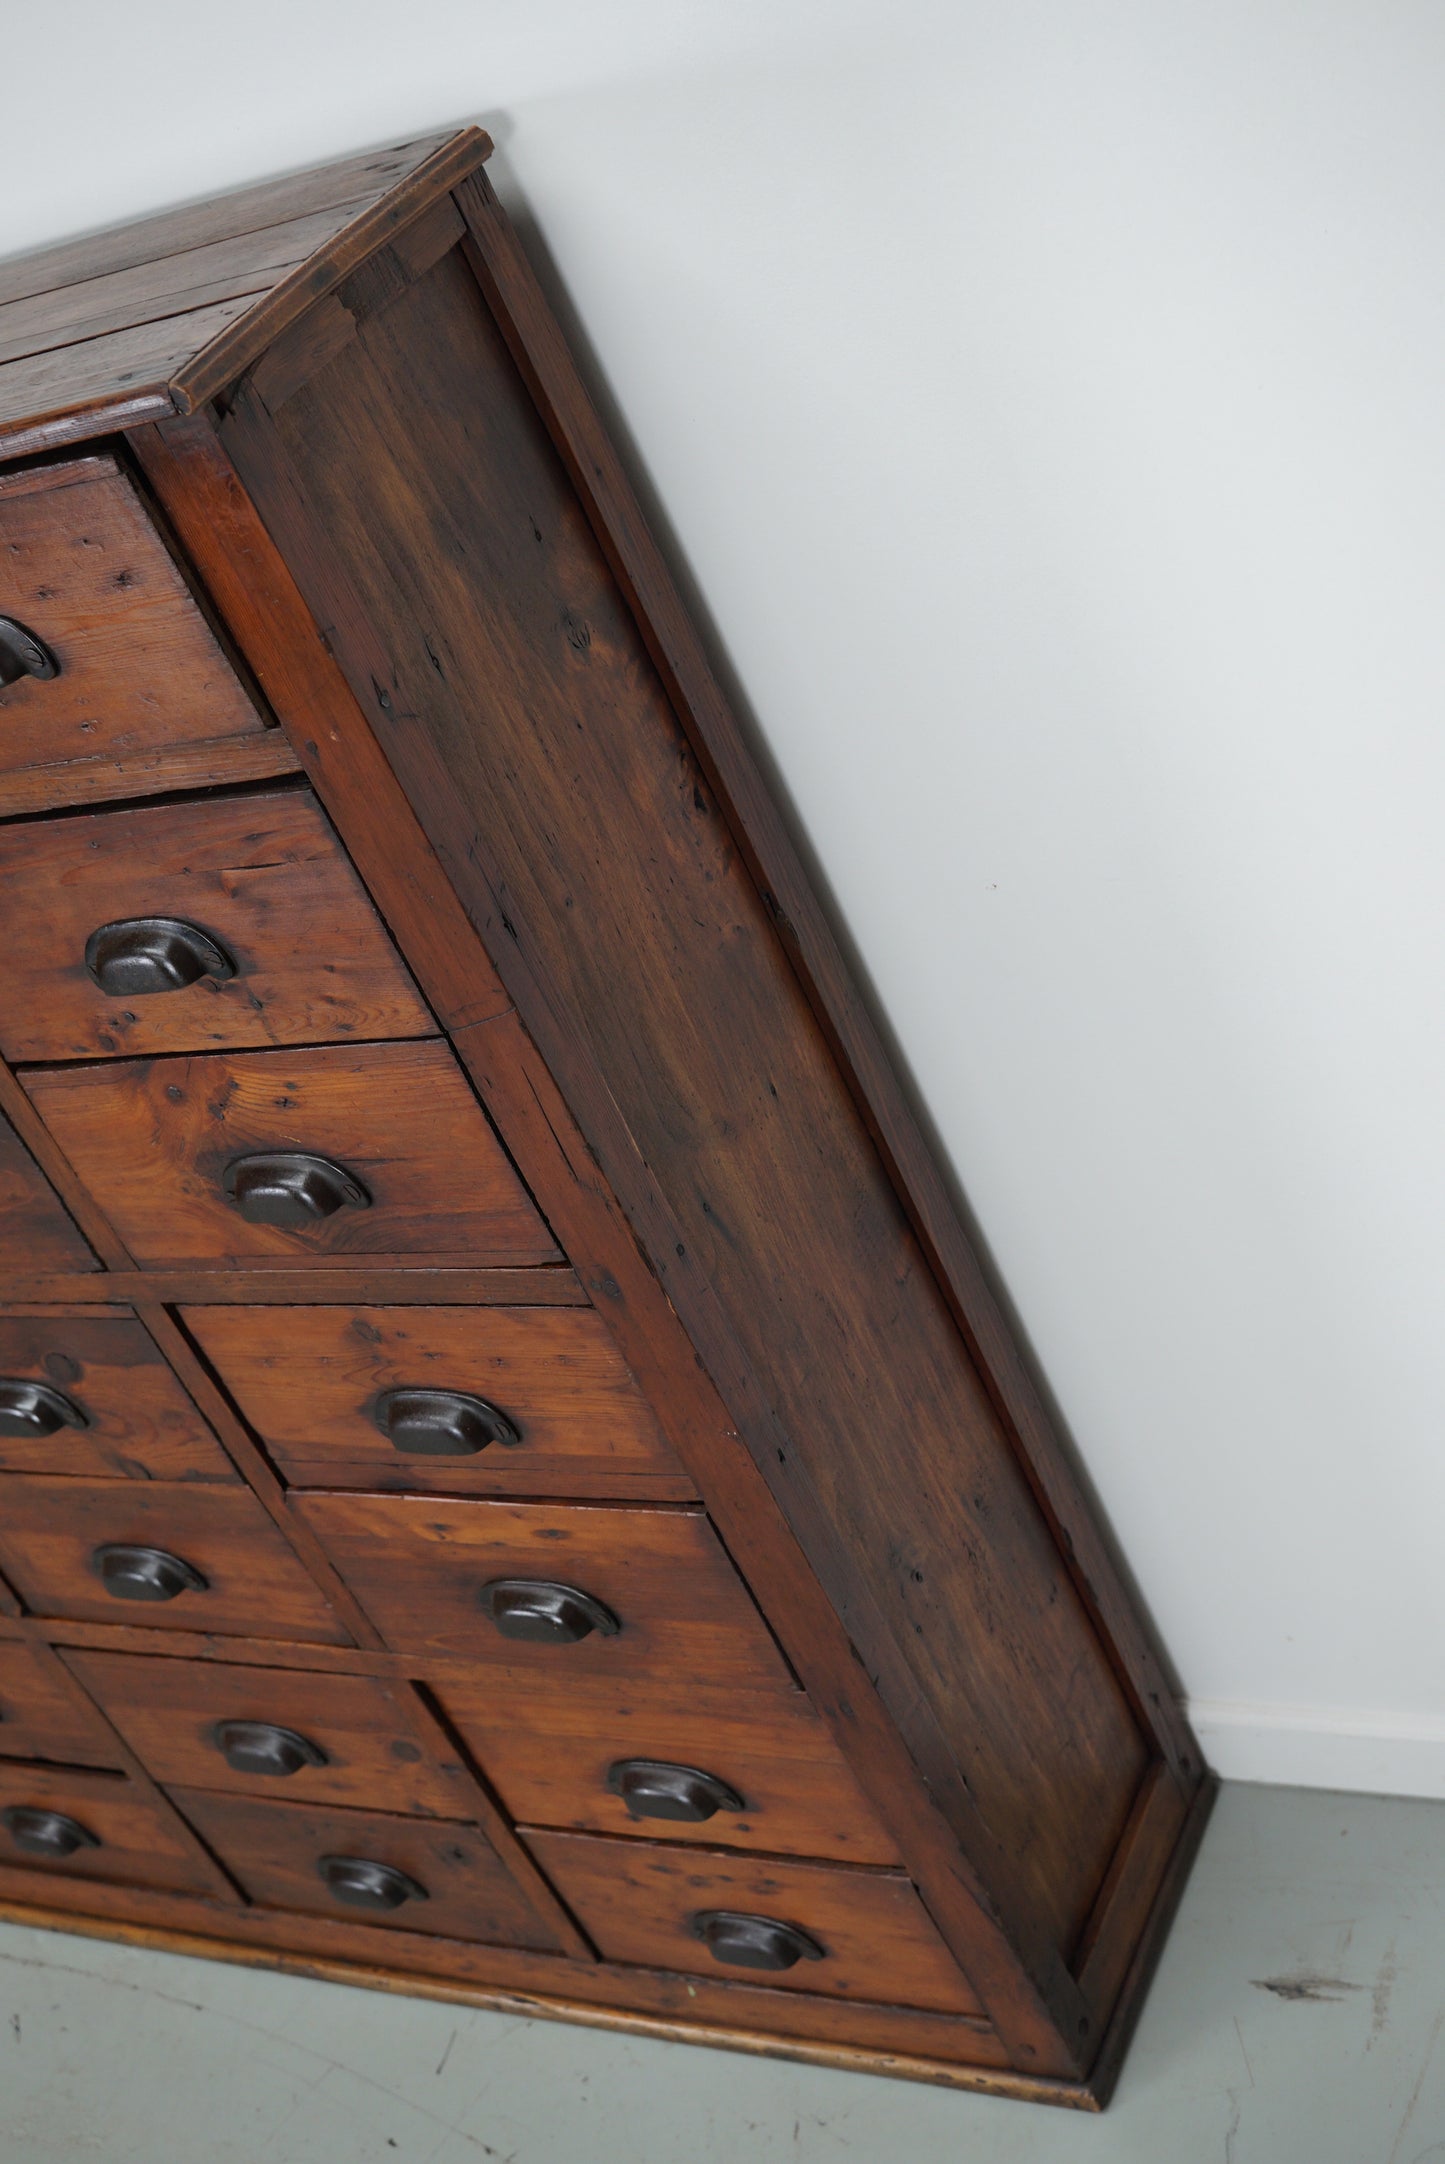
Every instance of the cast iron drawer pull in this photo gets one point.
(136, 956)
(133, 1573)
(362, 1884)
(258, 1747)
(753, 1942)
(290, 1188)
(651, 1788)
(34, 1410)
(546, 1614)
(440, 1423)
(22, 654)
(46, 1833)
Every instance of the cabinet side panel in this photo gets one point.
(501, 656)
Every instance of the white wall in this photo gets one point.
(1046, 398)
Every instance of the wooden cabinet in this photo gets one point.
(511, 1475)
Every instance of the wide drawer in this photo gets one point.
(614, 1591)
(90, 1395)
(84, 571)
(412, 1874)
(803, 1927)
(461, 1397)
(44, 1715)
(673, 1762)
(55, 1536)
(355, 1741)
(35, 1232)
(174, 1150)
(97, 1825)
(233, 921)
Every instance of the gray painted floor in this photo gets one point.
(1296, 2019)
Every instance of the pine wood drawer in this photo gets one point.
(272, 939)
(333, 1392)
(157, 1140)
(667, 1601)
(89, 1395)
(278, 1852)
(35, 1232)
(43, 1715)
(84, 570)
(372, 1746)
(561, 1754)
(51, 1530)
(642, 1903)
(100, 1826)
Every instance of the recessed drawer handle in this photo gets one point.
(546, 1614)
(46, 1833)
(133, 1573)
(22, 654)
(34, 1410)
(136, 956)
(440, 1423)
(290, 1188)
(753, 1942)
(651, 1788)
(259, 1747)
(362, 1884)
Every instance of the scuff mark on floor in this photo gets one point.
(1307, 1987)
(1380, 1997)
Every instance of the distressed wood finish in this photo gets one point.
(35, 1233)
(139, 1422)
(43, 1716)
(137, 1838)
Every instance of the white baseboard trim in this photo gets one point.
(1382, 1754)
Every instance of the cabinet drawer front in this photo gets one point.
(83, 570)
(372, 1744)
(35, 1232)
(91, 1396)
(299, 956)
(557, 1753)
(277, 1852)
(51, 1532)
(314, 1382)
(155, 1140)
(43, 1715)
(669, 1602)
(118, 1831)
(640, 1904)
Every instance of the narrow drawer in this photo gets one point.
(44, 1715)
(84, 571)
(98, 1825)
(344, 1151)
(847, 1934)
(618, 1592)
(234, 921)
(411, 1874)
(54, 1534)
(671, 1762)
(355, 1741)
(88, 1395)
(35, 1232)
(469, 1398)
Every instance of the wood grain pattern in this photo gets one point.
(141, 1841)
(35, 1233)
(307, 1380)
(151, 1140)
(106, 779)
(638, 1900)
(141, 1424)
(263, 875)
(44, 1716)
(551, 1285)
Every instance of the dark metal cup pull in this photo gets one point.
(22, 654)
(260, 1747)
(652, 1788)
(46, 1833)
(137, 956)
(740, 1941)
(33, 1410)
(440, 1423)
(291, 1188)
(134, 1573)
(542, 1613)
(362, 1884)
